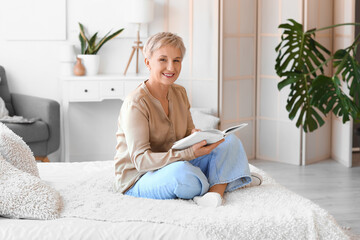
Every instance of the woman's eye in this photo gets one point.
(162, 59)
(176, 60)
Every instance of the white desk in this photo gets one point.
(92, 89)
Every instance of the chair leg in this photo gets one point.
(42, 159)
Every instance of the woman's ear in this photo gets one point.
(147, 63)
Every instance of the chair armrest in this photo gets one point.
(46, 109)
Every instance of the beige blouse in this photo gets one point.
(146, 134)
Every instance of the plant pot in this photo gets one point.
(91, 63)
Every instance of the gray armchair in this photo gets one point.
(42, 136)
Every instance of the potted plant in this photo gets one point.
(90, 47)
(300, 63)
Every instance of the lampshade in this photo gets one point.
(67, 53)
(139, 11)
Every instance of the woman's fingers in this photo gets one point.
(214, 145)
(199, 145)
(201, 149)
(195, 130)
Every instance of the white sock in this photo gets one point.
(209, 199)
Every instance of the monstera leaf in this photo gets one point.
(346, 65)
(299, 60)
(328, 96)
(300, 64)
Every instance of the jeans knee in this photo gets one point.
(190, 181)
(232, 139)
(231, 142)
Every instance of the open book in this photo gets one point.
(211, 136)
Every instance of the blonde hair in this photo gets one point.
(162, 39)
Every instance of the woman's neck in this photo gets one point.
(159, 91)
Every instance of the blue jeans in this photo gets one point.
(186, 179)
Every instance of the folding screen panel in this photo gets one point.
(249, 35)
(238, 69)
(318, 14)
(196, 21)
(277, 137)
(341, 147)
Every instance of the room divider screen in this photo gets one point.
(249, 35)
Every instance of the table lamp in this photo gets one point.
(138, 12)
(67, 58)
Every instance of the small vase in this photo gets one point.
(79, 69)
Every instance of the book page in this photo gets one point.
(197, 137)
(211, 136)
(234, 128)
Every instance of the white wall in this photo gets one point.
(33, 66)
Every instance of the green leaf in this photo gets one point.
(337, 100)
(83, 44)
(105, 39)
(92, 40)
(82, 33)
(300, 118)
(300, 65)
(347, 65)
(91, 46)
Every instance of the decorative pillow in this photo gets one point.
(25, 196)
(16, 152)
(204, 121)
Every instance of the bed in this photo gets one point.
(90, 208)
(93, 211)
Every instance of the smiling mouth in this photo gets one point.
(168, 75)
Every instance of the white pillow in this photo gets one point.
(15, 151)
(203, 110)
(204, 121)
(25, 196)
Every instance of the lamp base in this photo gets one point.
(138, 46)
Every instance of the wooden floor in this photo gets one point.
(329, 184)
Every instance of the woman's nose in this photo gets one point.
(170, 66)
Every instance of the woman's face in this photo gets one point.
(165, 65)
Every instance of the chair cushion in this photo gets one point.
(34, 132)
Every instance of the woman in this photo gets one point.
(151, 119)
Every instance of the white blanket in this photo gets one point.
(269, 211)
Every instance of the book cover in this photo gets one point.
(211, 136)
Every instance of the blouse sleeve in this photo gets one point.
(190, 123)
(135, 125)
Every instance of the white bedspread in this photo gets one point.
(269, 211)
(61, 176)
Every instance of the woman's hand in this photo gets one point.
(195, 130)
(200, 149)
